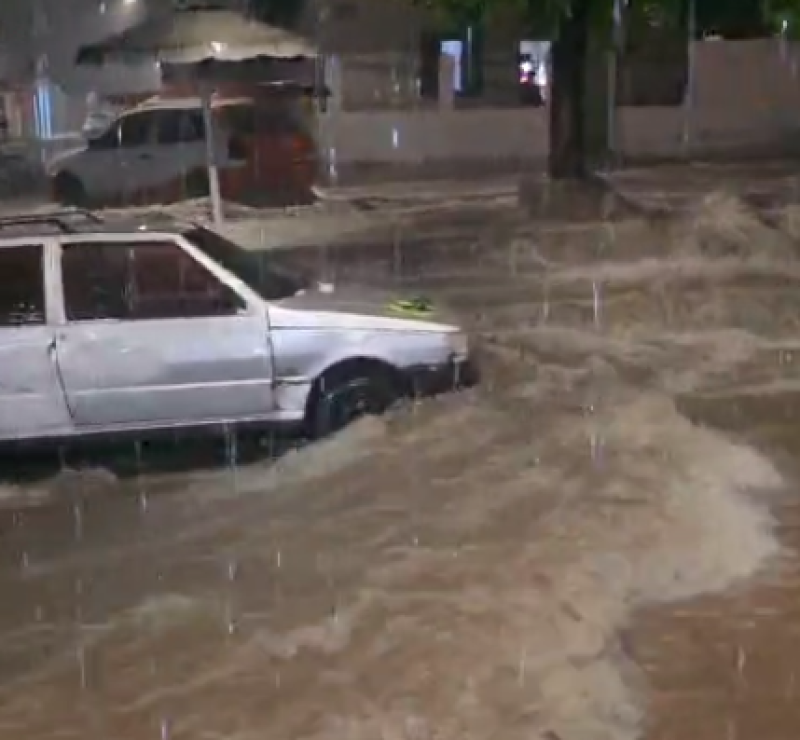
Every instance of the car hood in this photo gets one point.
(63, 157)
(399, 308)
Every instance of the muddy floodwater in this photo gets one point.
(597, 544)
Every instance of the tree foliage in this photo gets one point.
(732, 18)
(277, 12)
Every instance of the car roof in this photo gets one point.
(77, 221)
(159, 102)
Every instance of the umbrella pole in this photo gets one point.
(213, 171)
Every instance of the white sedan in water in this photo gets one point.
(109, 328)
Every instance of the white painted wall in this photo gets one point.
(747, 97)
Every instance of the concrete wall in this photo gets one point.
(747, 98)
(422, 136)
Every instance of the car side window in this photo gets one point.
(192, 126)
(135, 130)
(168, 127)
(22, 292)
(178, 127)
(141, 281)
(107, 140)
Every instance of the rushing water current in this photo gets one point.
(466, 568)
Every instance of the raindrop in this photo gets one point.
(139, 455)
(232, 454)
(77, 517)
(546, 303)
(597, 303)
(597, 449)
(166, 729)
(233, 569)
(278, 559)
(82, 671)
(230, 619)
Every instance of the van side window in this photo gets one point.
(178, 126)
(135, 130)
(141, 281)
(22, 293)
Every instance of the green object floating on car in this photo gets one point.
(412, 307)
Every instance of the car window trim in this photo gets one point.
(252, 304)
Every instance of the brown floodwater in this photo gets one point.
(597, 544)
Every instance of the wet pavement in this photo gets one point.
(597, 544)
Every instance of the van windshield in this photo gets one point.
(251, 267)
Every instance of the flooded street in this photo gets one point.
(596, 544)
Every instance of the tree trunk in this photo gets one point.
(568, 94)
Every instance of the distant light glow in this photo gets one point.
(128, 3)
(43, 110)
(454, 48)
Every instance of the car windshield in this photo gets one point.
(252, 268)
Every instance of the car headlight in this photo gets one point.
(458, 344)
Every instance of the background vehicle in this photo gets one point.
(110, 328)
(156, 153)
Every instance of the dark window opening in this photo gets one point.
(22, 293)
(141, 281)
(135, 130)
(179, 126)
(254, 269)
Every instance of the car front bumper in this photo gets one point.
(431, 380)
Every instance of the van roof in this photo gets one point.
(159, 102)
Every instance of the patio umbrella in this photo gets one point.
(205, 42)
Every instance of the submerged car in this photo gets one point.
(117, 327)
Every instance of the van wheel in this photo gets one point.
(343, 395)
(68, 190)
(197, 184)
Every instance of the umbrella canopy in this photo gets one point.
(198, 37)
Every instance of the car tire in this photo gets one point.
(68, 190)
(197, 184)
(342, 396)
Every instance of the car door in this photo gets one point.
(140, 167)
(152, 337)
(181, 151)
(99, 166)
(32, 403)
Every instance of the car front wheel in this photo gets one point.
(340, 398)
(68, 190)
